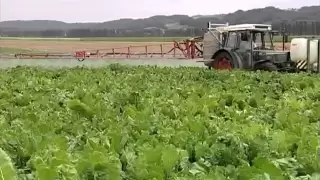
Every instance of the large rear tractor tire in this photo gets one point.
(223, 61)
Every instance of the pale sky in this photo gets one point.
(105, 10)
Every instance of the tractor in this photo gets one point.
(250, 47)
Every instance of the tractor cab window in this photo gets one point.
(232, 40)
(262, 40)
(224, 39)
(244, 40)
(244, 36)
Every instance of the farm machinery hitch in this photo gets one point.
(191, 48)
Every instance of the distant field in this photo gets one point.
(111, 39)
(279, 38)
(13, 50)
(12, 45)
(120, 39)
(70, 45)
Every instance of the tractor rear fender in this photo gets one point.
(235, 57)
(219, 51)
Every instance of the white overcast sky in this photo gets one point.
(104, 10)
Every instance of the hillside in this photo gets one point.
(265, 15)
(160, 25)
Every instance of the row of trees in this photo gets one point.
(301, 28)
(296, 28)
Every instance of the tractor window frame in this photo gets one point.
(225, 38)
(237, 45)
(265, 37)
(230, 35)
(261, 39)
(239, 38)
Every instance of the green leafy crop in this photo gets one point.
(151, 123)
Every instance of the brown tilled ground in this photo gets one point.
(106, 46)
(72, 46)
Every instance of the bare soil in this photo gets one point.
(72, 46)
(103, 46)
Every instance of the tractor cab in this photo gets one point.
(244, 46)
(260, 40)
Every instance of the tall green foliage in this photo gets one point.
(142, 123)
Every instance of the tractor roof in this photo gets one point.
(240, 27)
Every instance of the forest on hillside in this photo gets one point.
(303, 21)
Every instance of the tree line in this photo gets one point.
(299, 28)
(302, 21)
(296, 28)
(291, 28)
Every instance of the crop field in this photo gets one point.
(147, 122)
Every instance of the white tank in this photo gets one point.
(298, 50)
